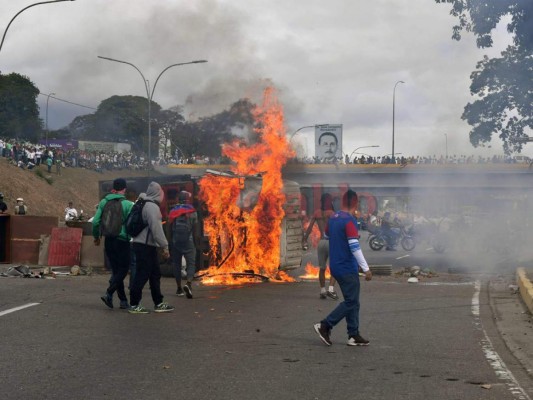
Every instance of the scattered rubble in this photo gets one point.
(415, 272)
(24, 271)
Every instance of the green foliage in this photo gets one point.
(124, 118)
(502, 85)
(119, 119)
(19, 114)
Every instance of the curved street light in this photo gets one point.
(362, 147)
(47, 100)
(393, 100)
(150, 95)
(304, 127)
(25, 8)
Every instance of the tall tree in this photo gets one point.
(19, 113)
(169, 123)
(119, 119)
(502, 85)
(206, 135)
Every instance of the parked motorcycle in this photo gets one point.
(377, 240)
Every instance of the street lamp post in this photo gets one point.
(47, 100)
(303, 127)
(393, 106)
(25, 8)
(150, 95)
(362, 147)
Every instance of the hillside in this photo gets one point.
(78, 185)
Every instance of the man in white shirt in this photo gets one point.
(70, 212)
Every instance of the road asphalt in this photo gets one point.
(511, 316)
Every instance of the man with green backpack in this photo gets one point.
(109, 222)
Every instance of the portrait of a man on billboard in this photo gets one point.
(328, 142)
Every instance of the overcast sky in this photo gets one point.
(332, 62)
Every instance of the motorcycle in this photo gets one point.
(377, 240)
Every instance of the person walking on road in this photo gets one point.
(145, 247)
(183, 226)
(346, 258)
(109, 221)
(321, 218)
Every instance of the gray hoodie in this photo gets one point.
(152, 216)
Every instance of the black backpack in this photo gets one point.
(135, 222)
(111, 218)
(181, 230)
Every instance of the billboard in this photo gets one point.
(328, 142)
(65, 144)
(108, 147)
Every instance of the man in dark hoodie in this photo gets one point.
(145, 247)
(117, 249)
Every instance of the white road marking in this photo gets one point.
(399, 258)
(18, 308)
(429, 248)
(501, 370)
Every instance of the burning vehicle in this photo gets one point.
(250, 217)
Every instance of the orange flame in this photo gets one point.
(244, 238)
(311, 272)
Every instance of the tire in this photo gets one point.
(408, 243)
(376, 243)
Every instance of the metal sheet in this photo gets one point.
(65, 246)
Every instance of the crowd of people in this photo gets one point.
(412, 160)
(27, 155)
(134, 234)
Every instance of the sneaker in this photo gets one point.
(163, 307)
(124, 305)
(323, 332)
(357, 340)
(180, 292)
(108, 300)
(390, 249)
(323, 295)
(188, 291)
(333, 295)
(138, 310)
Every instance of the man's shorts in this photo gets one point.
(323, 253)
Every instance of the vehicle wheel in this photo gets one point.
(408, 243)
(376, 243)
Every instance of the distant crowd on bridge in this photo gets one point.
(28, 155)
(401, 160)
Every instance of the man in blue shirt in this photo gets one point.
(345, 259)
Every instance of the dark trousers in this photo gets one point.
(118, 255)
(147, 269)
(177, 253)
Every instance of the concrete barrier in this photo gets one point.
(526, 288)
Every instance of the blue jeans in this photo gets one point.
(349, 308)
